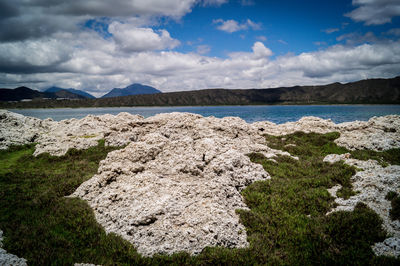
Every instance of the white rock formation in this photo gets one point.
(7, 259)
(84, 133)
(372, 185)
(378, 133)
(16, 129)
(178, 186)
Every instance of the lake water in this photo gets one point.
(274, 113)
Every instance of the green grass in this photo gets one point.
(43, 226)
(286, 222)
(394, 198)
(385, 158)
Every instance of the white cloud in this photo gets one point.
(213, 2)
(247, 2)
(131, 38)
(261, 38)
(70, 57)
(394, 32)
(203, 49)
(374, 12)
(233, 26)
(330, 30)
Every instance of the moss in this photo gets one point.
(287, 223)
(43, 226)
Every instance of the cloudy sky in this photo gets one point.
(176, 45)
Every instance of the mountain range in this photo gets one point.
(369, 91)
(25, 93)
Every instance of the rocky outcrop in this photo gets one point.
(177, 187)
(371, 185)
(84, 133)
(378, 133)
(7, 259)
(176, 184)
(16, 129)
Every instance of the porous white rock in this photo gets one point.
(84, 133)
(7, 259)
(389, 247)
(371, 184)
(16, 129)
(177, 187)
(378, 133)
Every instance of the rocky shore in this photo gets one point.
(176, 183)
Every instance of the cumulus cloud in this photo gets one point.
(131, 38)
(233, 26)
(88, 61)
(61, 52)
(374, 12)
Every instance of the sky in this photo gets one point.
(180, 45)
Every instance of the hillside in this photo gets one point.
(134, 89)
(74, 91)
(25, 93)
(371, 91)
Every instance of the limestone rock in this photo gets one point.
(372, 185)
(16, 129)
(378, 133)
(178, 186)
(389, 247)
(84, 133)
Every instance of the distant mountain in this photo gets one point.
(78, 92)
(23, 93)
(134, 89)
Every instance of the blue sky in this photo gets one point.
(174, 45)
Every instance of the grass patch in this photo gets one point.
(43, 226)
(286, 223)
(384, 158)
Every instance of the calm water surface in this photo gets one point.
(276, 113)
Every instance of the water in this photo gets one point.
(275, 113)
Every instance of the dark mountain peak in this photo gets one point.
(133, 89)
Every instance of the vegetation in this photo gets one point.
(385, 158)
(286, 222)
(395, 200)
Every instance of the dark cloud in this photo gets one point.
(7, 10)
